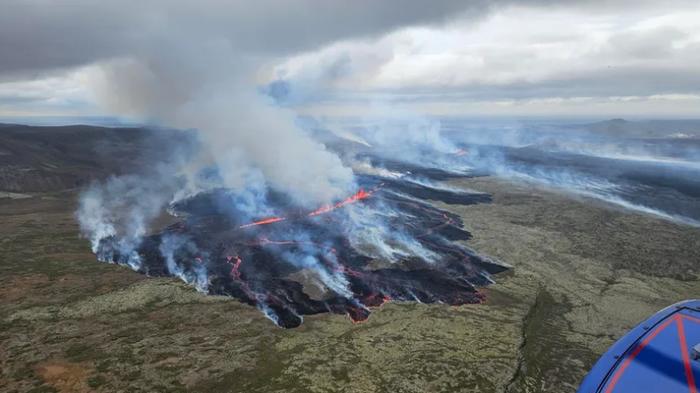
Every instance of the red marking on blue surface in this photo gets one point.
(652, 357)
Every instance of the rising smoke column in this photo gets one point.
(241, 131)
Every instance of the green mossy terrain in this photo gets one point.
(583, 274)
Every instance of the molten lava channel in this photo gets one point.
(360, 195)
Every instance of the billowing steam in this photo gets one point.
(242, 132)
(648, 167)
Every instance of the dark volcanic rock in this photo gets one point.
(259, 264)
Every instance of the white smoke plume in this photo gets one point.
(241, 130)
(122, 207)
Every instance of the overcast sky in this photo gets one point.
(480, 58)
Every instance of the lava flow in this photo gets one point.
(396, 248)
(263, 222)
(362, 194)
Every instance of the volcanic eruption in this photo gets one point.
(383, 243)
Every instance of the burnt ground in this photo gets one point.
(583, 274)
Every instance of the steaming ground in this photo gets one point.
(664, 188)
(650, 167)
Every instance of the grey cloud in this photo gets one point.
(39, 35)
(634, 60)
(656, 43)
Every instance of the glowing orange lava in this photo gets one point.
(263, 222)
(235, 272)
(360, 195)
(385, 299)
